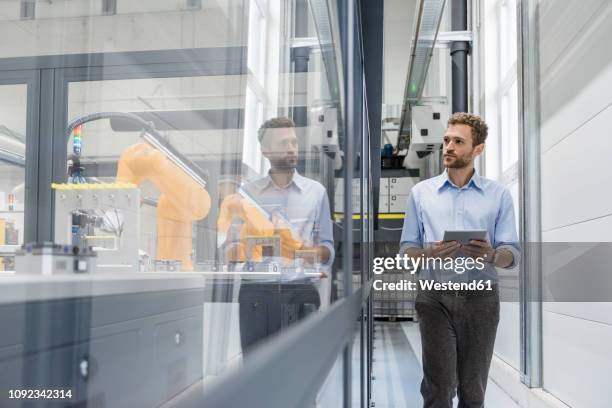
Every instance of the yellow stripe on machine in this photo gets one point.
(385, 216)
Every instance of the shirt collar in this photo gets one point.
(443, 180)
(297, 180)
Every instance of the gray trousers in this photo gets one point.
(457, 334)
(267, 308)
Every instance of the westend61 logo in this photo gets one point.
(457, 265)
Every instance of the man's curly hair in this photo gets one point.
(479, 127)
(274, 123)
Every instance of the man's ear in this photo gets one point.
(479, 149)
(264, 150)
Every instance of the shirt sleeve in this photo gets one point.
(325, 229)
(412, 235)
(505, 229)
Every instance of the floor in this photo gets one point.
(397, 369)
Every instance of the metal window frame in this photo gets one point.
(348, 37)
(50, 76)
(31, 79)
(27, 10)
(530, 192)
(109, 7)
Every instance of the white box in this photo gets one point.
(401, 185)
(428, 127)
(397, 203)
(383, 204)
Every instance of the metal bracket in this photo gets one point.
(301, 42)
(446, 38)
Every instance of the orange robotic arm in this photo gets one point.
(254, 224)
(235, 209)
(181, 201)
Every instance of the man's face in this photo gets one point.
(458, 148)
(280, 146)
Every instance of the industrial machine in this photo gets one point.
(102, 216)
(260, 241)
(415, 156)
(52, 259)
(427, 127)
(106, 216)
(182, 200)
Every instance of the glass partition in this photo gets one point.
(192, 211)
(500, 105)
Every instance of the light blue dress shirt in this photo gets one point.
(303, 203)
(437, 205)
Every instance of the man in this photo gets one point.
(297, 209)
(458, 327)
(298, 204)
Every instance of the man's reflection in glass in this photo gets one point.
(282, 212)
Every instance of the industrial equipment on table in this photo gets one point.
(103, 216)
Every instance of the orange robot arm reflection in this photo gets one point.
(233, 209)
(182, 200)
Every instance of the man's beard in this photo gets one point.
(285, 164)
(459, 162)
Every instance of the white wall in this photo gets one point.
(576, 108)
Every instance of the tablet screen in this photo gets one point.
(464, 236)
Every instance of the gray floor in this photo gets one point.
(397, 369)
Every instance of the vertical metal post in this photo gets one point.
(372, 12)
(47, 161)
(300, 57)
(348, 46)
(530, 210)
(32, 158)
(459, 53)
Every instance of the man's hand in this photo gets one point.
(323, 252)
(502, 258)
(289, 242)
(479, 249)
(441, 249)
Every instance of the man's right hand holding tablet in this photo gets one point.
(442, 249)
(438, 249)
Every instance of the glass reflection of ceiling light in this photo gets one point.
(12, 158)
(174, 156)
(423, 42)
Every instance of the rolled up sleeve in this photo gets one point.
(506, 236)
(325, 236)
(412, 231)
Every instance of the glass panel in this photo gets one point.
(198, 119)
(92, 26)
(13, 113)
(500, 104)
(508, 35)
(194, 220)
(509, 119)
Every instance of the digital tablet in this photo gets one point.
(464, 236)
